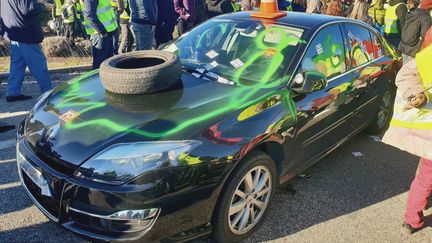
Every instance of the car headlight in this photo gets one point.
(122, 162)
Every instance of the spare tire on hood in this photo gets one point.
(140, 72)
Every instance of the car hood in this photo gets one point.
(79, 118)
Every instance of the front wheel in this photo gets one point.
(245, 199)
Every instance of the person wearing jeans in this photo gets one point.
(26, 55)
(144, 16)
(21, 17)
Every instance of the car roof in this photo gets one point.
(303, 20)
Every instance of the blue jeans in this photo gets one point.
(31, 56)
(144, 36)
(102, 48)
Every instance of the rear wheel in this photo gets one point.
(245, 200)
(384, 114)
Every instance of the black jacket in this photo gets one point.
(218, 7)
(418, 22)
(21, 20)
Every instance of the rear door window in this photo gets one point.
(326, 54)
(359, 45)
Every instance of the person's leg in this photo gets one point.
(36, 61)
(59, 25)
(117, 33)
(148, 33)
(130, 39)
(97, 51)
(111, 43)
(124, 38)
(102, 48)
(419, 193)
(17, 71)
(136, 30)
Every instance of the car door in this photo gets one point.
(364, 71)
(323, 115)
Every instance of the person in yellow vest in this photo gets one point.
(126, 37)
(377, 13)
(80, 19)
(101, 25)
(57, 16)
(118, 7)
(69, 17)
(411, 129)
(394, 21)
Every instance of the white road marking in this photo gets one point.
(7, 160)
(13, 114)
(9, 185)
(7, 144)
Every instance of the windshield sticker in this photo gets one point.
(237, 63)
(211, 65)
(319, 48)
(212, 54)
(269, 52)
(69, 116)
(200, 70)
(196, 75)
(172, 48)
(212, 75)
(225, 81)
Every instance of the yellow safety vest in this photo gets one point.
(78, 8)
(59, 6)
(69, 17)
(125, 15)
(391, 20)
(106, 16)
(416, 118)
(114, 4)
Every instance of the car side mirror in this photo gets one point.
(309, 82)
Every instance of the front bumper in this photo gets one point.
(85, 209)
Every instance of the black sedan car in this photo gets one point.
(256, 104)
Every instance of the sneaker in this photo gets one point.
(408, 229)
(18, 98)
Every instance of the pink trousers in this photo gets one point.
(419, 193)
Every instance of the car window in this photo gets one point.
(377, 46)
(326, 53)
(359, 45)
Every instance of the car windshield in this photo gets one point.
(238, 51)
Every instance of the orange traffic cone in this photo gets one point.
(269, 10)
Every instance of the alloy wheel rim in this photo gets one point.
(384, 110)
(250, 200)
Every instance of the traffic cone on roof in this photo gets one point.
(269, 10)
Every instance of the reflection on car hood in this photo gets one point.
(80, 118)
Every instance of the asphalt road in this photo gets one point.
(345, 199)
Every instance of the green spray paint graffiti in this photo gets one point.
(241, 98)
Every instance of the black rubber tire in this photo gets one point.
(147, 103)
(220, 228)
(375, 127)
(140, 72)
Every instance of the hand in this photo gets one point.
(416, 101)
